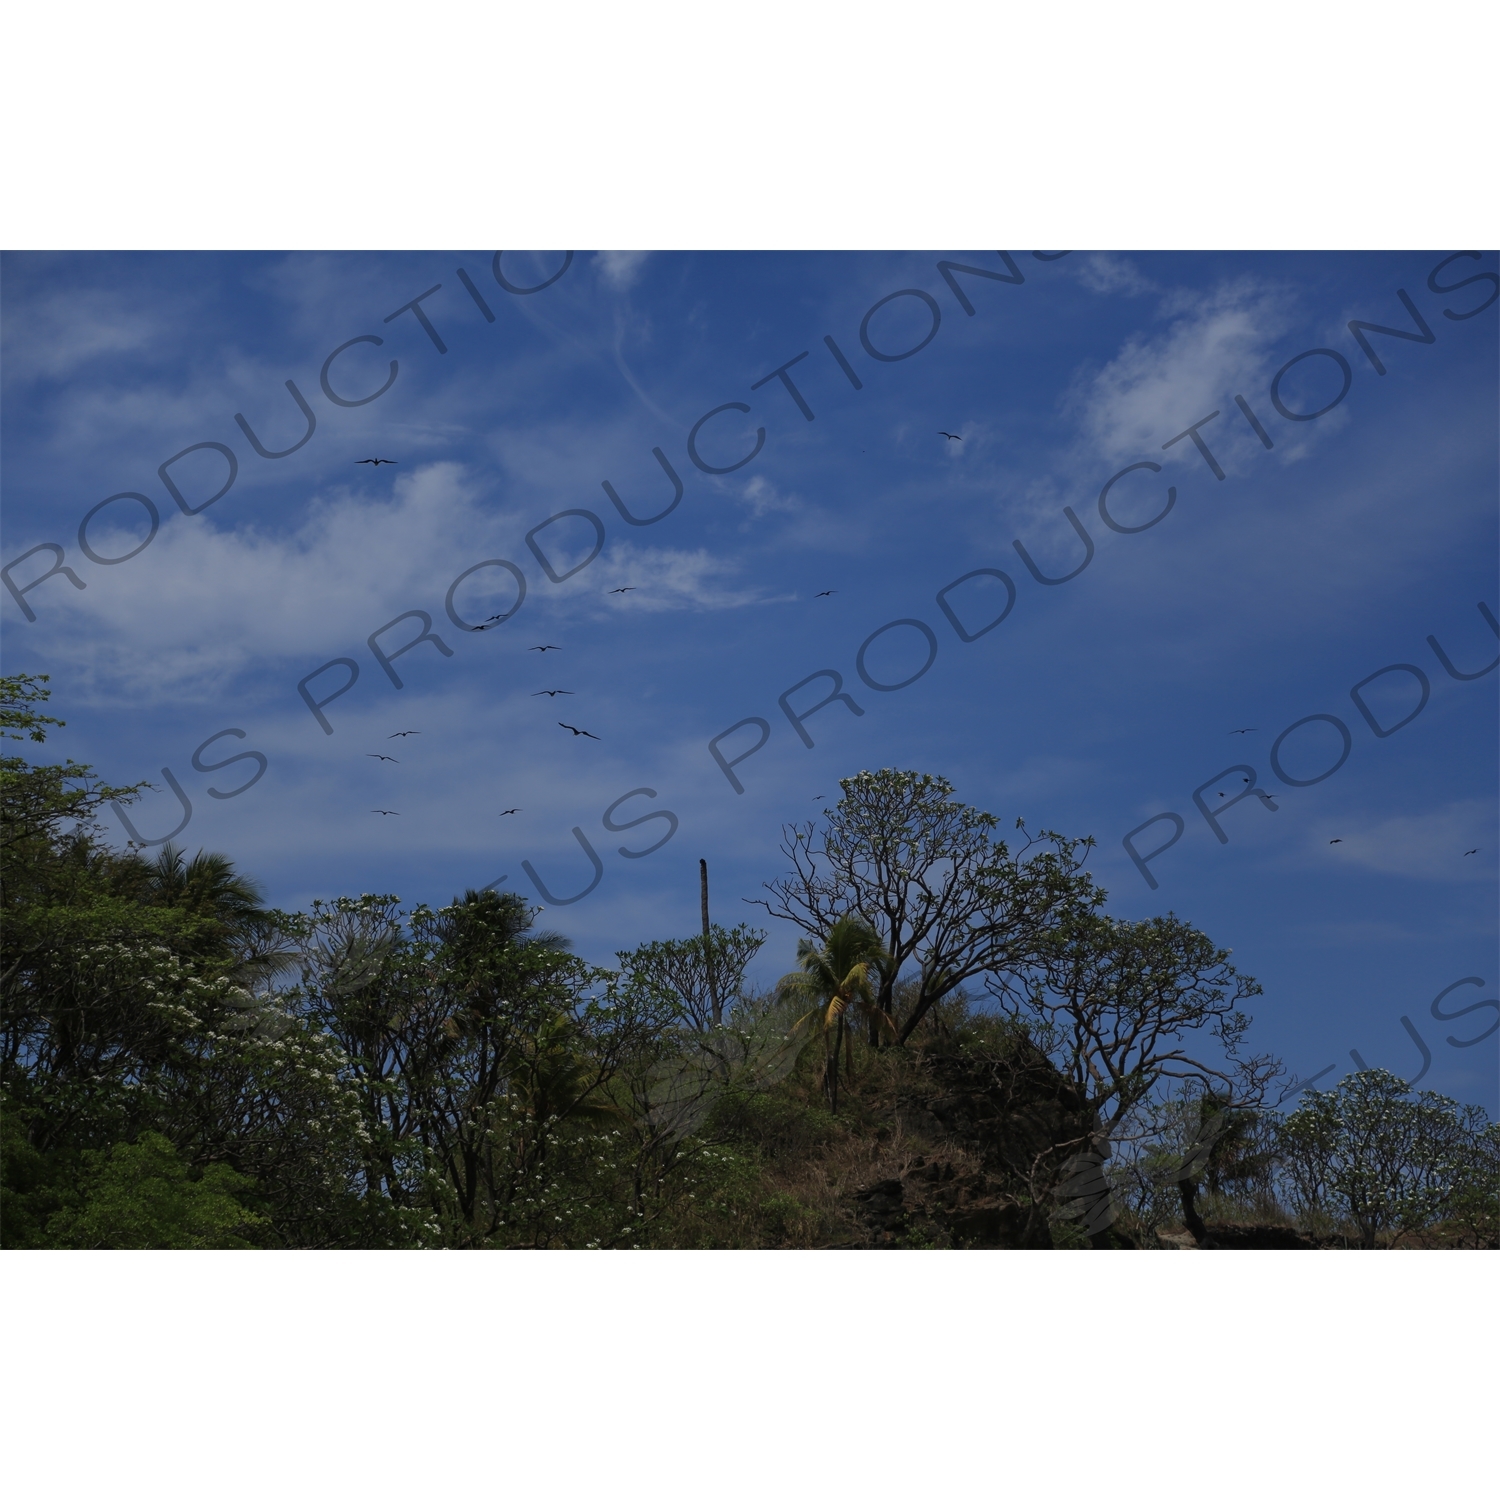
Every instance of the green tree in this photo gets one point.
(705, 975)
(841, 976)
(1125, 1008)
(949, 900)
(477, 1048)
(126, 1009)
(145, 1197)
(1370, 1153)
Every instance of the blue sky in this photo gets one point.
(1097, 704)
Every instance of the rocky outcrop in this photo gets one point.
(1002, 1125)
(943, 1205)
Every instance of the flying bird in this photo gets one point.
(553, 693)
(385, 812)
(825, 593)
(1468, 852)
(401, 734)
(952, 437)
(509, 810)
(544, 648)
(1335, 841)
(820, 799)
(628, 589)
(376, 461)
(372, 756)
(583, 732)
(1244, 731)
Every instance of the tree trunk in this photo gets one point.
(831, 1067)
(1188, 1192)
(708, 952)
(923, 1005)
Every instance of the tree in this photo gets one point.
(145, 1197)
(1116, 1004)
(1202, 1140)
(947, 899)
(474, 1046)
(704, 974)
(1370, 1153)
(124, 1014)
(235, 924)
(840, 976)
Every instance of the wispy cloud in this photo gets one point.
(55, 336)
(1425, 846)
(621, 268)
(1112, 275)
(1216, 342)
(663, 578)
(203, 602)
(761, 498)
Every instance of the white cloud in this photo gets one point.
(1112, 274)
(1216, 345)
(663, 578)
(621, 268)
(762, 498)
(203, 602)
(54, 336)
(1425, 846)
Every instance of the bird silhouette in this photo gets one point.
(952, 437)
(825, 593)
(1468, 852)
(554, 692)
(1244, 731)
(385, 812)
(628, 589)
(583, 732)
(509, 810)
(401, 734)
(376, 461)
(820, 799)
(1335, 841)
(544, 649)
(370, 754)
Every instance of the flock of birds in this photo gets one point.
(490, 623)
(577, 733)
(631, 588)
(1246, 780)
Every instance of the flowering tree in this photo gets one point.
(949, 901)
(1372, 1153)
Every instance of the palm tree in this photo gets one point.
(839, 976)
(230, 906)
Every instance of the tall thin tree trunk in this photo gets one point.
(710, 967)
(831, 1068)
(1187, 1191)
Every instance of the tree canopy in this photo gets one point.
(1001, 1061)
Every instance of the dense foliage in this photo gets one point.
(969, 1052)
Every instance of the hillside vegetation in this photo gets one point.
(969, 1052)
